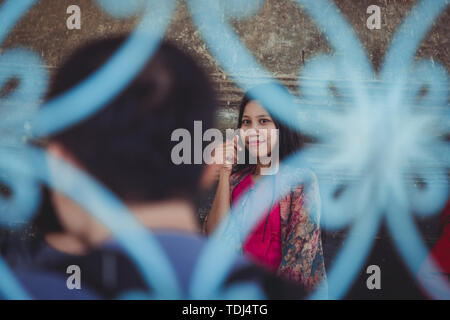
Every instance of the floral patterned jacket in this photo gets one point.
(302, 254)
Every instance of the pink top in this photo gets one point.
(263, 246)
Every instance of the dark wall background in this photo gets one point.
(282, 38)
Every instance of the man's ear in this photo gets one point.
(58, 150)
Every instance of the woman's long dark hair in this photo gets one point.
(289, 140)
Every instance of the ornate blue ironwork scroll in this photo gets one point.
(387, 133)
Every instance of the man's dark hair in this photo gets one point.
(127, 144)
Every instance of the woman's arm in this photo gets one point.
(225, 154)
(221, 203)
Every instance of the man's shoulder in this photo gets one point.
(109, 271)
(19, 247)
(47, 285)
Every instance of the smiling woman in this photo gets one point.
(287, 240)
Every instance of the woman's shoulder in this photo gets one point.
(298, 178)
(304, 193)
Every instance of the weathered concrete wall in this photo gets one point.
(281, 36)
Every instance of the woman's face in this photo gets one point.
(256, 131)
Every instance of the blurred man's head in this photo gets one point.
(127, 144)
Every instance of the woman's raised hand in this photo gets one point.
(226, 154)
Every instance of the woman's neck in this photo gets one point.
(260, 166)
